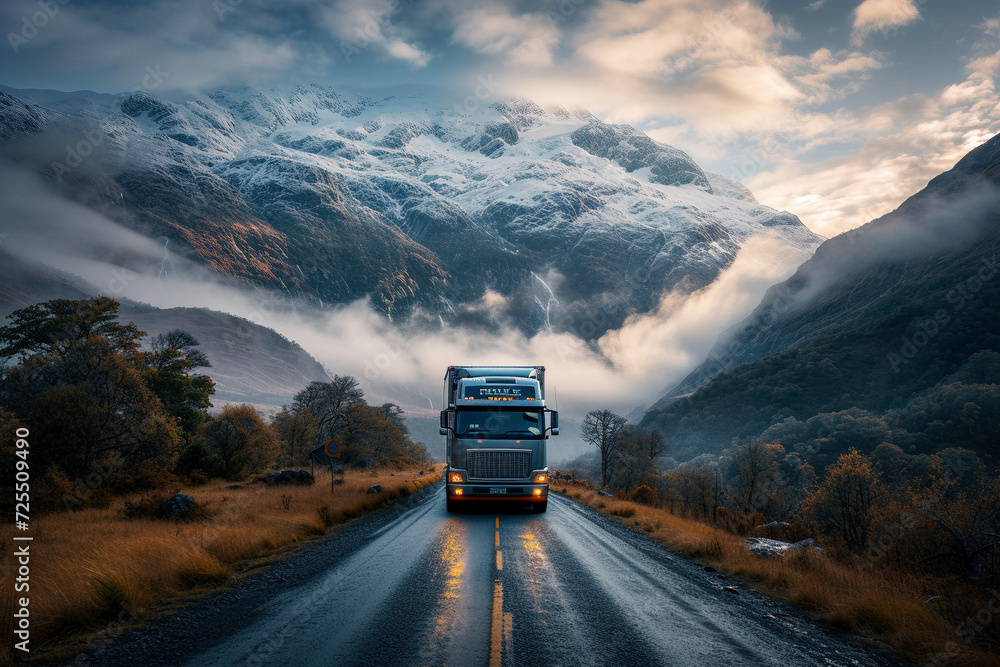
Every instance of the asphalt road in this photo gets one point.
(417, 586)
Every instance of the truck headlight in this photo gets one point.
(455, 477)
(541, 478)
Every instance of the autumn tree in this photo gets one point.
(603, 429)
(9, 425)
(298, 433)
(964, 521)
(796, 478)
(698, 487)
(243, 442)
(849, 499)
(374, 433)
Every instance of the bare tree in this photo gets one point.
(603, 429)
(298, 433)
(752, 484)
(329, 403)
(968, 520)
(699, 487)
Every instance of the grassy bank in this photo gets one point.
(885, 604)
(92, 569)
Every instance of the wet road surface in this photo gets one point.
(418, 586)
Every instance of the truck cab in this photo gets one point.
(497, 424)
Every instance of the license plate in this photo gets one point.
(498, 490)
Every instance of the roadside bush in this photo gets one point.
(644, 495)
(197, 456)
(737, 522)
(197, 477)
(624, 511)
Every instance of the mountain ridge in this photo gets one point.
(426, 210)
(250, 363)
(878, 319)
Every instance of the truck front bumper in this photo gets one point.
(498, 492)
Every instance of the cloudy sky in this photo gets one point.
(833, 109)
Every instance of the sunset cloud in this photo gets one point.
(903, 145)
(874, 15)
(493, 29)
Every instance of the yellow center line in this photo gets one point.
(508, 632)
(496, 633)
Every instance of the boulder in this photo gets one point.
(179, 505)
(375, 489)
(766, 548)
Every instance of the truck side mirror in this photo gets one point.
(554, 422)
(444, 423)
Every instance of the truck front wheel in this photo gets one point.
(541, 507)
(451, 505)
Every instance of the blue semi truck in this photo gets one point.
(497, 425)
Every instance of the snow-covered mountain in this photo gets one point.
(540, 218)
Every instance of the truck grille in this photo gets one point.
(493, 464)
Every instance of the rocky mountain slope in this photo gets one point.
(551, 217)
(898, 318)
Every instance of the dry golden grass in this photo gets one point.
(94, 567)
(883, 604)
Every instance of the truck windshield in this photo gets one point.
(498, 424)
